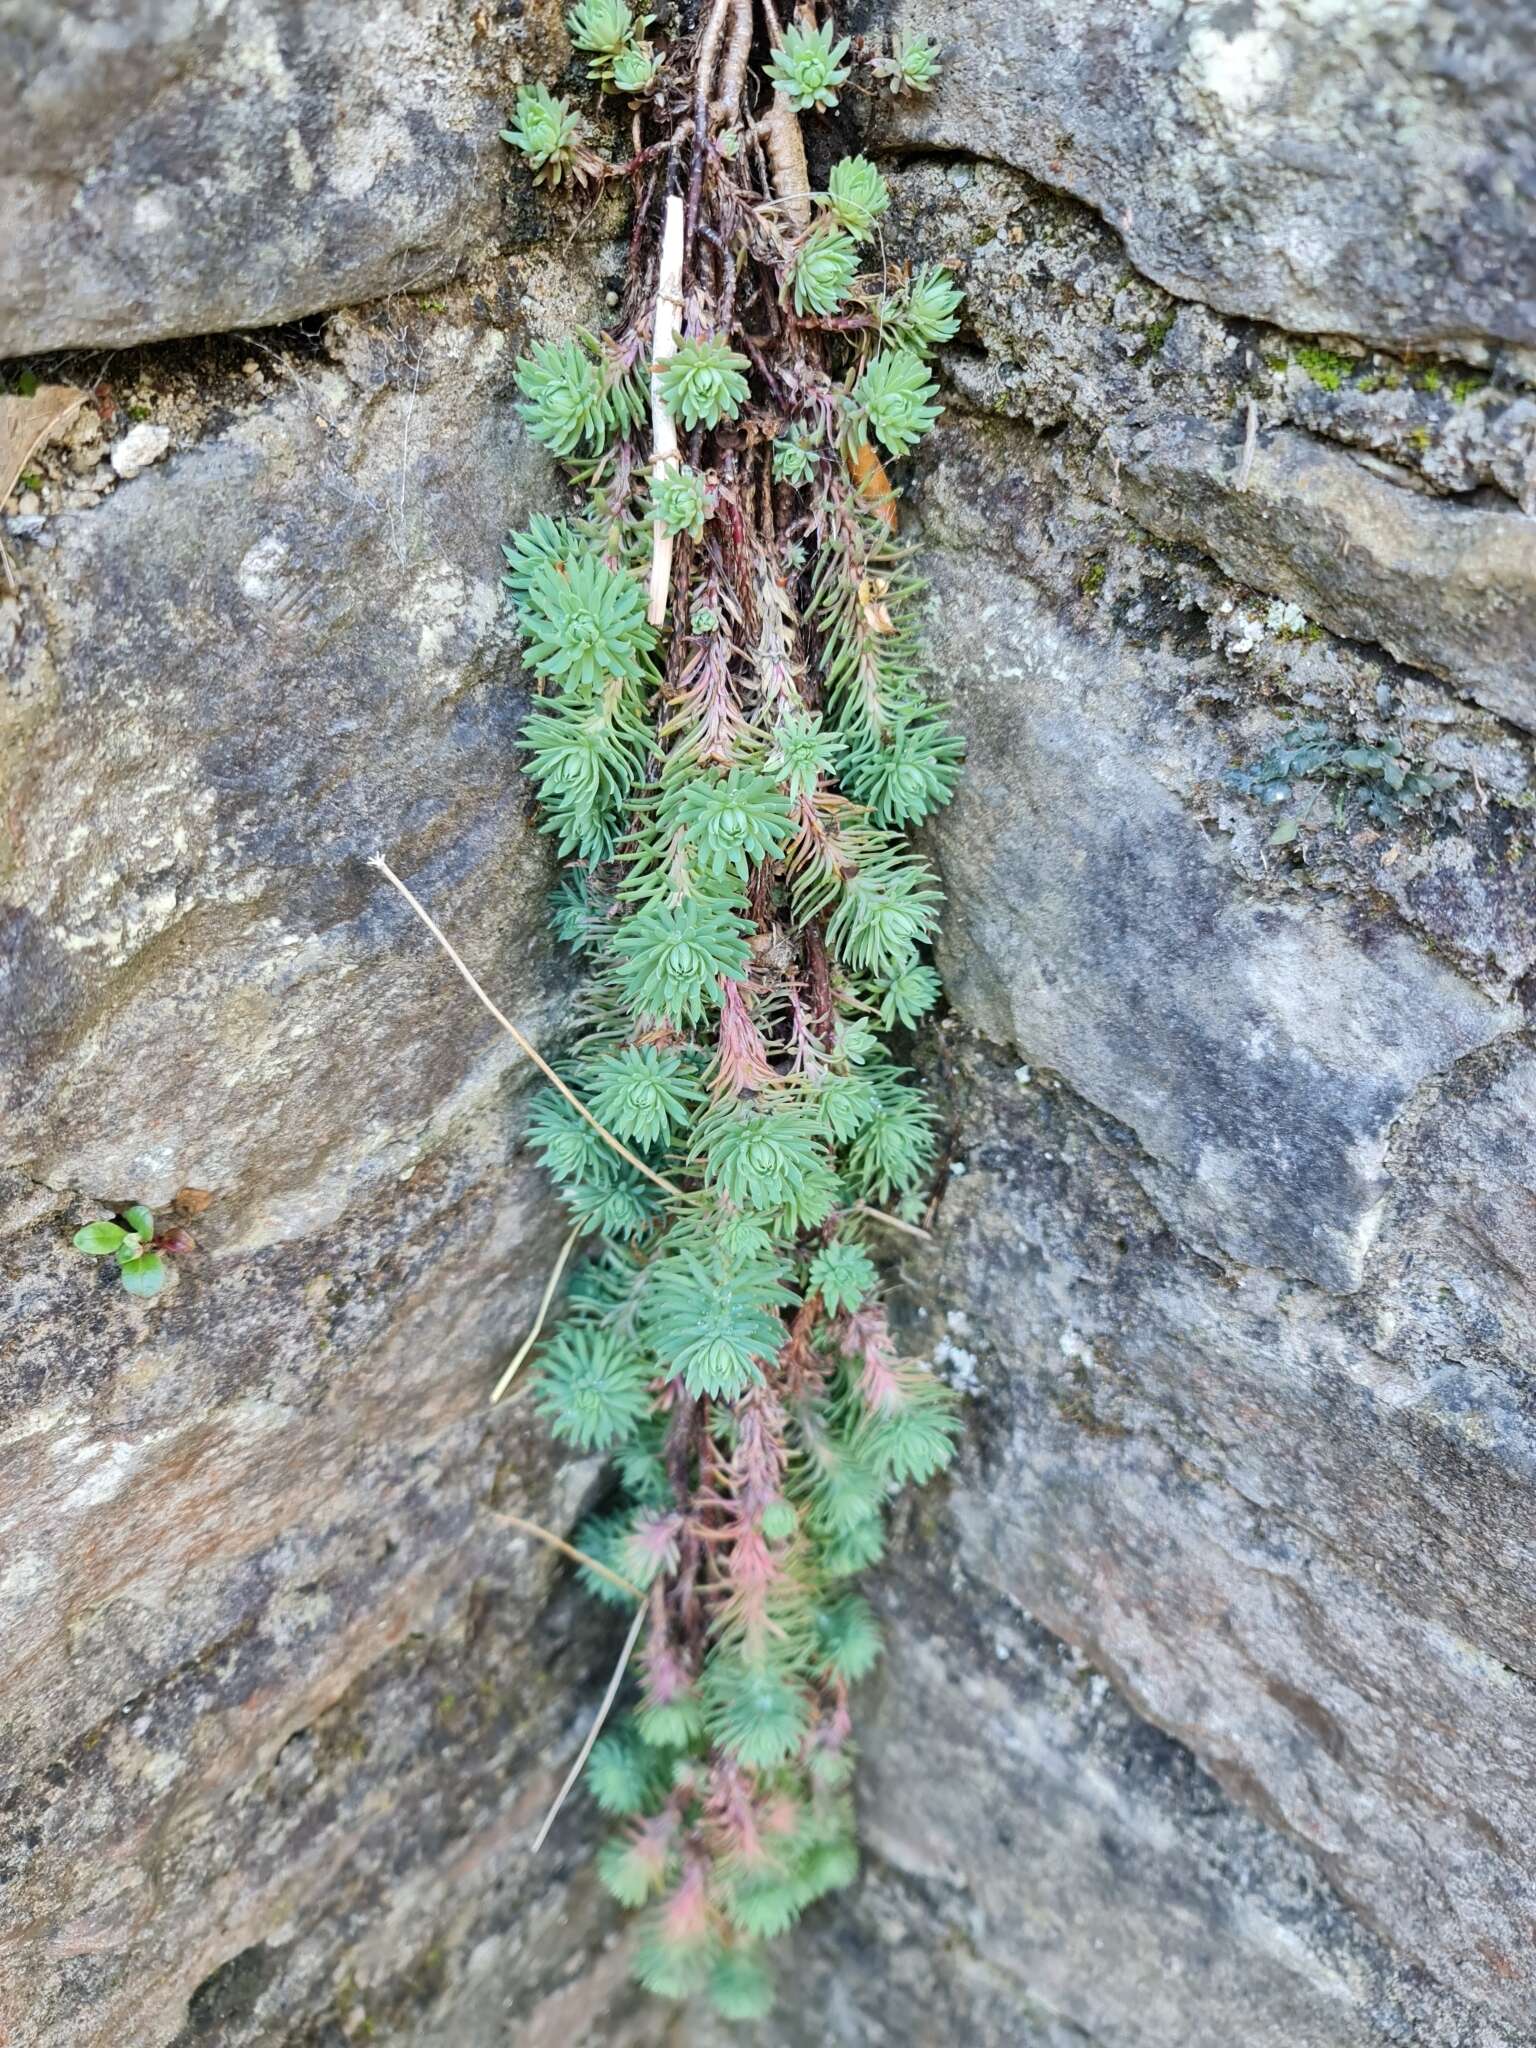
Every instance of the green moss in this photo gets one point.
(1464, 387)
(1323, 366)
(1420, 437)
(1429, 380)
(1092, 579)
(1157, 333)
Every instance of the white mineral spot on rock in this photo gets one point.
(139, 447)
(300, 169)
(1023, 1075)
(962, 1374)
(151, 212)
(1239, 70)
(110, 1467)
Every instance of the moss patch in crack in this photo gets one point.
(1323, 365)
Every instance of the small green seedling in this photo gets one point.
(132, 1241)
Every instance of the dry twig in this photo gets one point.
(669, 306)
(526, 1045)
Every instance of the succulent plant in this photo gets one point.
(705, 381)
(922, 314)
(680, 501)
(857, 195)
(913, 65)
(894, 399)
(546, 132)
(823, 270)
(731, 791)
(795, 455)
(635, 70)
(808, 66)
(574, 397)
(603, 28)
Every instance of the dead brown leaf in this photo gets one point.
(874, 485)
(25, 424)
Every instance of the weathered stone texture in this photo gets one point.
(1061, 1875)
(1333, 168)
(180, 169)
(281, 1709)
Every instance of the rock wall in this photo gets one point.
(1209, 1712)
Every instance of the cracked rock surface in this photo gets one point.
(1208, 1709)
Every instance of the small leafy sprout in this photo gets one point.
(795, 455)
(635, 71)
(574, 399)
(132, 1242)
(703, 620)
(893, 399)
(705, 382)
(823, 270)
(857, 195)
(808, 67)
(913, 65)
(591, 1388)
(843, 1275)
(680, 501)
(923, 315)
(546, 133)
(731, 824)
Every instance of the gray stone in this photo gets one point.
(176, 170)
(1054, 1873)
(235, 679)
(1264, 1462)
(1226, 1491)
(1336, 170)
(1450, 587)
(1159, 403)
(282, 1712)
(1261, 1051)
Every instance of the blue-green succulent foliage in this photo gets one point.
(731, 792)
